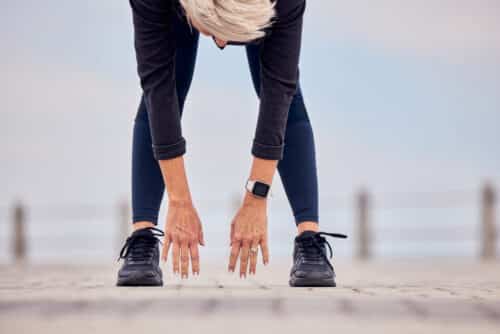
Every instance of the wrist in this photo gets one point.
(252, 200)
(180, 200)
(180, 194)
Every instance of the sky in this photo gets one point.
(404, 97)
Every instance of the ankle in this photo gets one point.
(142, 225)
(307, 226)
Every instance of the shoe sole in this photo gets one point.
(311, 282)
(139, 280)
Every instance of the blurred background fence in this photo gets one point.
(436, 224)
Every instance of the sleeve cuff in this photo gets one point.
(267, 152)
(166, 152)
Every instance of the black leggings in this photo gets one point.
(297, 168)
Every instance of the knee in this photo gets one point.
(298, 112)
(142, 112)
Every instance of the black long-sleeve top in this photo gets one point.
(155, 47)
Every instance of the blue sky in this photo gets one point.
(403, 96)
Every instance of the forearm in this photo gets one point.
(175, 178)
(262, 170)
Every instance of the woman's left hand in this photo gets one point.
(248, 233)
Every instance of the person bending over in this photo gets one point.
(166, 49)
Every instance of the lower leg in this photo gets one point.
(307, 226)
(147, 181)
(298, 167)
(143, 224)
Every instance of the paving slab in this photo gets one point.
(377, 297)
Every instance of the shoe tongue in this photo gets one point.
(143, 232)
(305, 235)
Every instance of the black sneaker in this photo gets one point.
(142, 259)
(311, 266)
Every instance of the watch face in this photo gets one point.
(260, 189)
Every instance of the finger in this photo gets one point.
(195, 258)
(165, 249)
(244, 258)
(235, 251)
(176, 253)
(201, 238)
(265, 251)
(184, 260)
(254, 251)
(231, 235)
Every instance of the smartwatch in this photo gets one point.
(258, 188)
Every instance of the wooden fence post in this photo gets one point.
(488, 228)
(364, 236)
(124, 222)
(19, 233)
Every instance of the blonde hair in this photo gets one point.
(231, 20)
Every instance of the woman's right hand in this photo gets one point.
(183, 233)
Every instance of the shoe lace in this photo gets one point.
(318, 242)
(139, 246)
